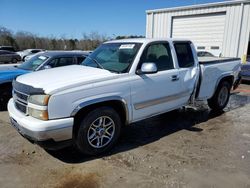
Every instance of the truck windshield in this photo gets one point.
(33, 63)
(115, 57)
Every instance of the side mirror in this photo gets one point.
(148, 68)
(47, 67)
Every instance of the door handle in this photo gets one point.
(175, 78)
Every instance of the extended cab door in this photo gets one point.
(188, 66)
(158, 92)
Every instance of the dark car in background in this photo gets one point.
(46, 60)
(9, 57)
(8, 48)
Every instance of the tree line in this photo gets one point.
(22, 40)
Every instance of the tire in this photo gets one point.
(221, 97)
(92, 131)
(5, 95)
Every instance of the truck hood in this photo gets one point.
(10, 73)
(58, 79)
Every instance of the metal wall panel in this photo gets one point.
(245, 31)
(236, 27)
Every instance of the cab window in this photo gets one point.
(159, 54)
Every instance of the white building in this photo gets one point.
(222, 28)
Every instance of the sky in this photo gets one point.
(72, 18)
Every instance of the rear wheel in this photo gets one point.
(98, 131)
(5, 95)
(221, 97)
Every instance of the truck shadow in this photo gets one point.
(153, 129)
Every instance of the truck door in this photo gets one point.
(158, 92)
(188, 65)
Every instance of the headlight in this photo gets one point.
(42, 100)
(39, 114)
(37, 106)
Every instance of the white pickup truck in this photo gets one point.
(121, 82)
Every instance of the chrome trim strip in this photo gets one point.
(153, 102)
(37, 107)
(158, 113)
(20, 102)
(104, 99)
(24, 105)
(16, 98)
(20, 92)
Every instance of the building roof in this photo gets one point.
(224, 3)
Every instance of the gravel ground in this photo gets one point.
(185, 148)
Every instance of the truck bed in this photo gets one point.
(212, 70)
(212, 60)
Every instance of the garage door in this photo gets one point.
(206, 31)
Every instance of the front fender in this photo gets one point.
(100, 100)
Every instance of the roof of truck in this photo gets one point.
(145, 40)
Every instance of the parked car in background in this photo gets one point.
(121, 82)
(204, 54)
(46, 60)
(8, 48)
(245, 70)
(24, 53)
(9, 57)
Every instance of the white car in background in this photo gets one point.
(28, 57)
(27, 52)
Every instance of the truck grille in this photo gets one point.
(21, 93)
(21, 101)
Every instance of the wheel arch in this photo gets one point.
(116, 102)
(227, 77)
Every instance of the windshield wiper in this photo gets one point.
(99, 65)
(96, 62)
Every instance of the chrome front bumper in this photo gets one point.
(39, 130)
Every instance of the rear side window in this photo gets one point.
(63, 61)
(184, 54)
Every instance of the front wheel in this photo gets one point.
(98, 131)
(221, 97)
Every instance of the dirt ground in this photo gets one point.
(186, 148)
